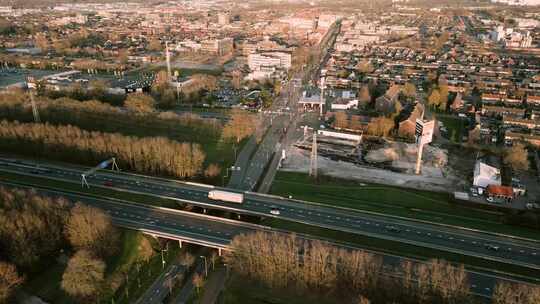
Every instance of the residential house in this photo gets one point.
(386, 104)
(407, 127)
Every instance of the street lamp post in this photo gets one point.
(162, 258)
(205, 265)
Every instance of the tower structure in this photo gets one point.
(313, 164)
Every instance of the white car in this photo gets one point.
(274, 211)
(490, 199)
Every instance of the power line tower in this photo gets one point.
(313, 164)
(168, 56)
(31, 83)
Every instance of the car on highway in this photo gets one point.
(108, 184)
(492, 247)
(274, 211)
(393, 229)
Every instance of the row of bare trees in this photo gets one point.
(90, 232)
(285, 261)
(99, 116)
(152, 155)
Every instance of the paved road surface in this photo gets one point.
(180, 224)
(188, 289)
(159, 290)
(473, 243)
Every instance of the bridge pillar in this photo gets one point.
(219, 251)
(180, 243)
(204, 210)
(238, 215)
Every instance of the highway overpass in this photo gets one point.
(217, 232)
(516, 251)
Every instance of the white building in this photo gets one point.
(224, 18)
(345, 104)
(485, 175)
(518, 2)
(279, 60)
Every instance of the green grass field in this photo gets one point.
(455, 126)
(409, 203)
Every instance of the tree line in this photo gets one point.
(34, 229)
(288, 262)
(99, 116)
(150, 155)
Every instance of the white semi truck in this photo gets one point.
(226, 196)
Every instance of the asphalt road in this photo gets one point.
(204, 229)
(159, 290)
(452, 239)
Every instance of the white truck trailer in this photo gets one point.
(226, 196)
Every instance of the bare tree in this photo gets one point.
(140, 103)
(434, 98)
(380, 126)
(240, 126)
(409, 90)
(517, 157)
(213, 170)
(198, 281)
(187, 260)
(9, 281)
(213, 259)
(30, 225)
(514, 293)
(154, 45)
(84, 275)
(91, 229)
(364, 97)
(145, 249)
(341, 120)
(363, 300)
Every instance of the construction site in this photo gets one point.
(370, 159)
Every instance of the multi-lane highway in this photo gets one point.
(217, 232)
(479, 244)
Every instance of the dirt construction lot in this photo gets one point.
(433, 179)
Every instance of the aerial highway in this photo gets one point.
(467, 242)
(217, 232)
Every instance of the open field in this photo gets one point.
(454, 125)
(415, 204)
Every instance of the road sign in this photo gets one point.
(104, 164)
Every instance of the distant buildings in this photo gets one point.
(511, 38)
(518, 2)
(224, 18)
(218, 46)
